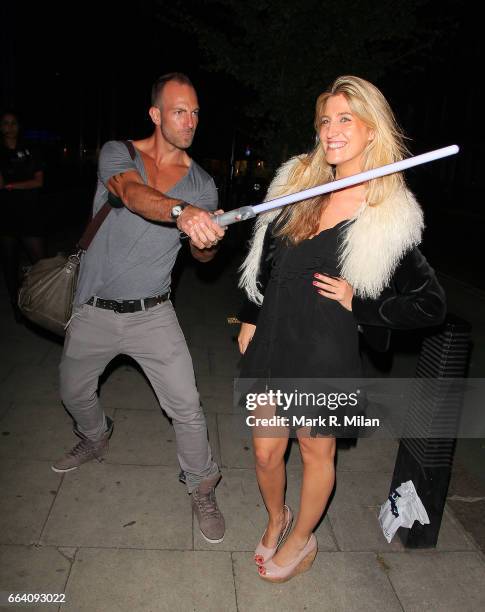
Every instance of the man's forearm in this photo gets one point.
(148, 202)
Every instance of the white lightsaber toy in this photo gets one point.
(247, 212)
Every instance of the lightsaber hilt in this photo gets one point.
(247, 212)
(234, 216)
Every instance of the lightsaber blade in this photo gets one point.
(247, 212)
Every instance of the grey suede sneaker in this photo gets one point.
(204, 504)
(84, 451)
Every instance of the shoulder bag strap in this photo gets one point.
(100, 216)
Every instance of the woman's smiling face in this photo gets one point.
(343, 136)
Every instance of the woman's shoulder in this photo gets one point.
(378, 239)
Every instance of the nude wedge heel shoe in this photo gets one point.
(275, 573)
(262, 554)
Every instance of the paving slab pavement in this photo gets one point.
(120, 535)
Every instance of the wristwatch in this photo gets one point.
(177, 210)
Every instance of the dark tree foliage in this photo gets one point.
(285, 53)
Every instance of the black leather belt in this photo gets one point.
(129, 305)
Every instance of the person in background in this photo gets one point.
(21, 216)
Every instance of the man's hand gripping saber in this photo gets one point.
(248, 212)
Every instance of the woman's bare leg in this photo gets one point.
(317, 485)
(271, 475)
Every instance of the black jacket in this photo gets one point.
(413, 299)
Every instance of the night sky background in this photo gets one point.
(80, 74)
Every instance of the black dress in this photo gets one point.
(300, 333)
(302, 336)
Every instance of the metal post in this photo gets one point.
(427, 461)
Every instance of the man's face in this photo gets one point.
(179, 114)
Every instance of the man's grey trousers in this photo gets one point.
(154, 339)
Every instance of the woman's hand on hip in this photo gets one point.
(335, 289)
(246, 334)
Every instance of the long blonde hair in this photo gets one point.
(301, 220)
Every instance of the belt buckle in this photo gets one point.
(129, 305)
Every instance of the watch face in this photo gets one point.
(176, 210)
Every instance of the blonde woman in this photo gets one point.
(326, 266)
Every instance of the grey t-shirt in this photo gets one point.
(130, 257)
